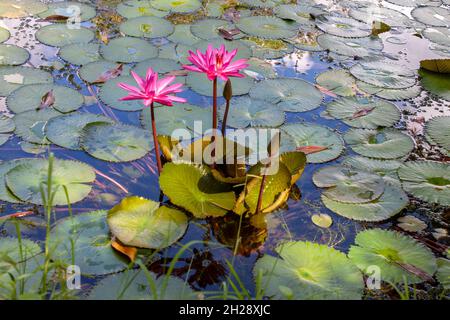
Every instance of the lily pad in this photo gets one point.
(259, 69)
(374, 14)
(80, 53)
(322, 220)
(143, 223)
(427, 180)
(390, 94)
(128, 50)
(309, 271)
(159, 65)
(59, 35)
(338, 81)
(115, 142)
(4, 34)
(267, 27)
(208, 29)
(10, 249)
(302, 135)
(436, 83)
(438, 130)
(13, 55)
(443, 272)
(199, 83)
(411, 224)
(92, 71)
(139, 8)
(92, 250)
(147, 27)
(300, 13)
(384, 168)
(5, 193)
(65, 131)
(110, 94)
(25, 180)
(439, 35)
(30, 97)
(182, 35)
(354, 47)
(21, 8)
(179, 6)
(30, 125)
(193, 188)
(70, 9)
(245, 112)
(416, 3)
(385, 143)
(432, 16)
(364, 113)
(343, 26)
(6, 124)
(390, 251)
(349, 185)
(289, 94)
(12, 78)
(134, 285)
(4, 137)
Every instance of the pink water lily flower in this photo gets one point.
(151, 90)
(216, 63)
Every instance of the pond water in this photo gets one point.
(240, 242)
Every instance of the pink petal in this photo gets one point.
(139, 80)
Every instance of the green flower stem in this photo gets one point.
(155, 139)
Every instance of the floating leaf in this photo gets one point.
(338, 81)
(147, 27)
(30, 125)
(13, 55)
(267, 27)
(4, 34)
(386, 249)
(144, 223)
(309, 271)
(6, 124)
(411, 224)
(342, 26)
(102, 71)
(13, 249)
(60, 35)
(21, 8)
(80, 53)
(358, 47)
(12, 78)
(128, 50)
(436, 65)
(110, 94)
(322, 220)
(182, 35)
(300, 13)
(432, 16)
(384, 168)
(390, 94)
(436, 83)
(439, 35)
(438, 131)
(138, 8)
(193, 188)
(181, 6)
(380, 15)
(109, 74)
(199, 83)
(443, 272)
(69, 9)
(5, 193)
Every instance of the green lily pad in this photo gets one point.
(179, 116)
(70, 9)
(25, 180)
(245, 112)
(92, 71)
(384, 168)
(179, 6)
(267, 27)
(436, 83)
(6, 124)
(322, 220)
(159, 65)
(259, 68)
(438, 131)
(80, 53)
(4, 137)
(128, 50)
(134, 285)
(269, 49)
(371, 14)
(432, 16)
(10, 249)
(139, 8)
(193, 188)
(364, 113)
(349, 185)
(289, 94)
(30, 125)
(65, 131)
(59, 35)
(4, 34)
(5, 193)
(416, 3)
(443, 272)
(12, 78)
(338, 81)
(110, 94)
(298, 135)
(208, 29)
(343, 26)
(182, 35)
(390, 203)
(92, 249)
(354, 47)
(32, 148)
(143, 223)
(439, 35)
(147, 27)
(115, 142)
(427, 180)
(390, 94)
(385, 143)
(30, 97)
(262, 3)
(309, 271)
(13, 55)
(21, 8)
(384, 75)
(389, 250)
(300, 13)
(199, 83)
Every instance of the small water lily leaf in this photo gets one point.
(384, 75)
(128, 50)
(60, 35)
(310, 271)
(11, 249)
(387, 250)
(354, 47)
(69, 9)
(349, 185)
(427, 180)
(322, 220)
(385, 143)
(411, 224)
(32, 148)
(291, 95)
(342, 26)
(443, 272)
(438, 131)
(21, 8)
(147, 27)
(179, 116)
(436, 83)
(30, 125)
(5, 193)
(143, 223)
(193, 188)
(261, 68)
(364, 113)
(102, 71)
(25, 180)
(13, 55)
(65, 130)
(199, 83)
(85, 237)
(267, 27)
(6, 124)
(140, 285)
(139, 8)
(327, 145)
(339, 81)
(43, 96)
(390, 94)
(432, 16)
(115, 142)
(391, 202)
(245, 112)
(110, 93)
(80, 53)
(4, 137)
(12, 78)
(384, 168)
(178, 6)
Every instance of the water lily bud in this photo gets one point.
(227, 90)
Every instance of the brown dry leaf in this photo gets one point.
(228, 34)
(326, 91)
(311, 149)
(109, 74)
(47, 100)
(177, 73)
(436, 65)
(415, 271)
(130, 252)
(56, 18)
(379, 27)
(362, 113)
